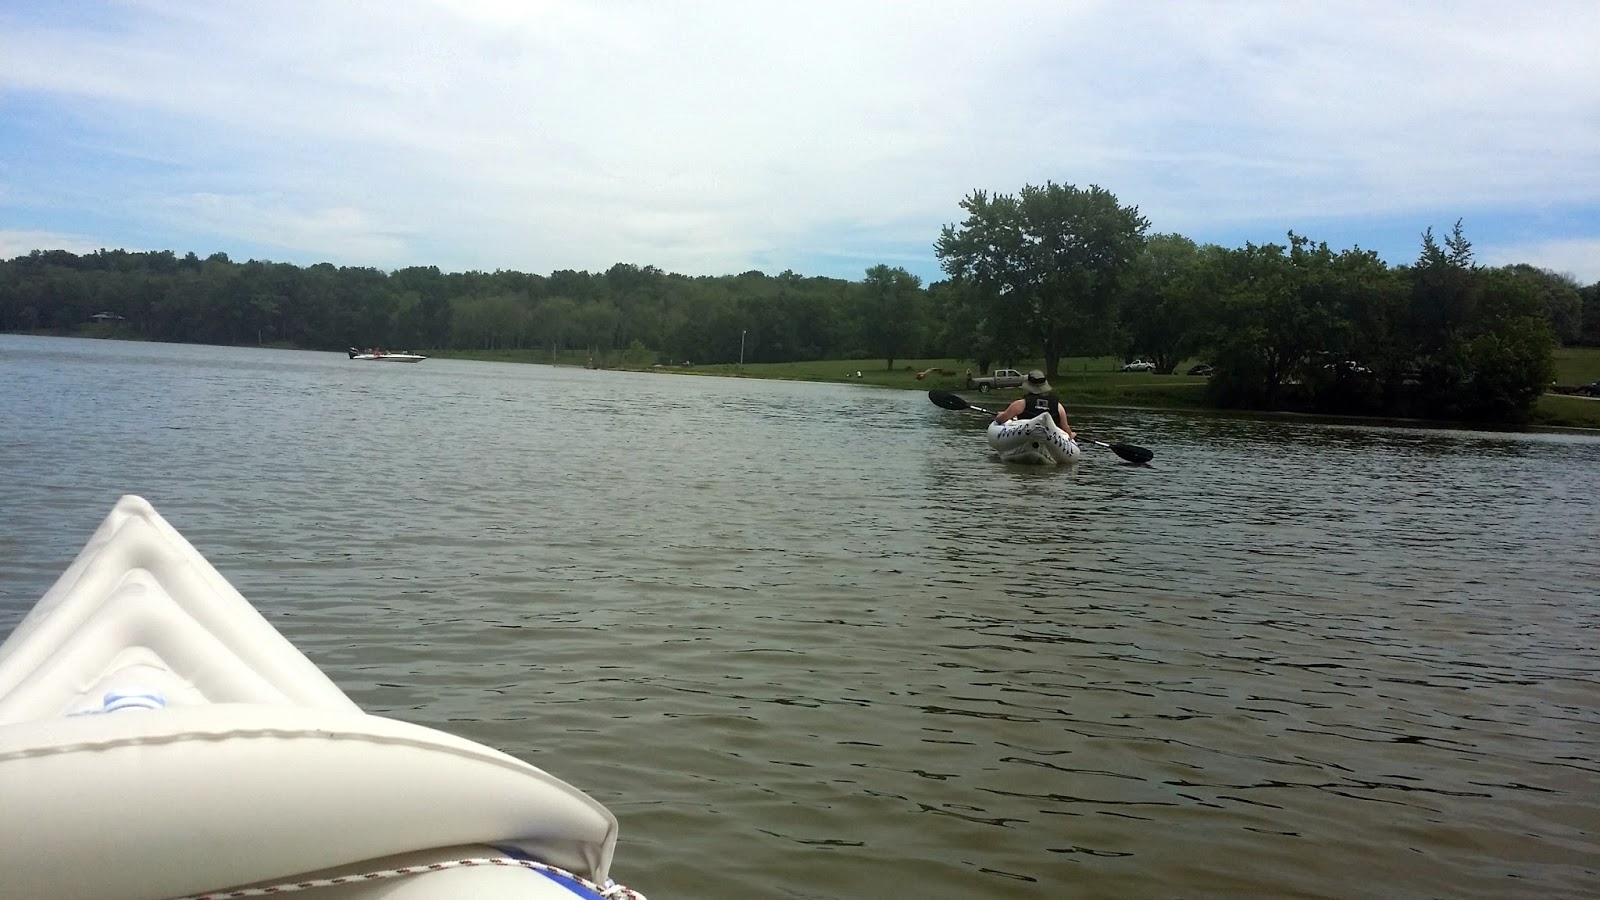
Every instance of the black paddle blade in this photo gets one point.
(948, 400)
(1133, 453)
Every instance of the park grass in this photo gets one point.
(1099, 381)
(1574, 366)
(522, 355)
(1577, 365)
(1083, 381)
(1561, 411)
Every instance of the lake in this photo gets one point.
(813, 641)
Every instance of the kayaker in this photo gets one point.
(1036, 401)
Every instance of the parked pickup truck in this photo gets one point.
(1002, 378)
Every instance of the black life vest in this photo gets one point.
(1038, 404)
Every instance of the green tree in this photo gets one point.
(492, 323)
(1289, 325)
(1250, 366)
(894, 312)
(1274, 320)
(554, 324)
(1167, 292)
(1509, 349)
(1589, 334)
(1484, 343)
(1053, 259)
(595, 324)
(1371, 300)
(1444, 290)
(1558, 294)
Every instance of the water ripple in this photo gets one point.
(809, 641)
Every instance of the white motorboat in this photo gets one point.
(385, 356)
(1038, 441)
(159, 738)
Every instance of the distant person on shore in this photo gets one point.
(1037, 401)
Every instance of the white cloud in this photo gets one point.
(698, 136)
(342, 232)
(1579, 258)
(14, 243)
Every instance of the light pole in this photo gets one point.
(741, 346)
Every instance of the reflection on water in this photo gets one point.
(811, 641)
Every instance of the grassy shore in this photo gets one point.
(1099, 381)
(1577, 365)
(1574, 366)
(1557, 411)
(1084, 381)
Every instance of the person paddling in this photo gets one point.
(1037, 401)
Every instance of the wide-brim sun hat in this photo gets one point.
(1036, 383)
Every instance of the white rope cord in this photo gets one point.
(611, 890)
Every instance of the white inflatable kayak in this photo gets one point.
(160, 739)
(1038, 441)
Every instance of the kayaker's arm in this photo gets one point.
(1010, 412)
(1065, 425)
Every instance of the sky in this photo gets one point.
(712, 137)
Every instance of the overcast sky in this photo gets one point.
(720, 136)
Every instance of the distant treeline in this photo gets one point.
(1054, 271)
(161, 296)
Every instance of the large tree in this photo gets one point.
(1053, 258)
(1490, 355)
(1560, 295)
(1280, 318)
(1590, 298)
(893, 314)
(967, 328)
(1166, 296)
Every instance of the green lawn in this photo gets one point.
(1574, 365)
(1558, 411)
(1084, 381)
(1577, 365)
(1098, 381)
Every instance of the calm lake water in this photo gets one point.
(812, 641)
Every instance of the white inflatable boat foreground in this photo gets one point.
(160, 739)
(1039, 441)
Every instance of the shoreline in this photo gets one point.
(1545, 418)
(997, 397)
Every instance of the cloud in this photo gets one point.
(342, 232)
(1579, 258)
(14, 243)
(709, 137)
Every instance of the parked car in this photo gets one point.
(1201, 369)
(1592, 389)
(1001, 379)
(1139, 365)
(1349, 365)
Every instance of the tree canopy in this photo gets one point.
(1050, 261)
